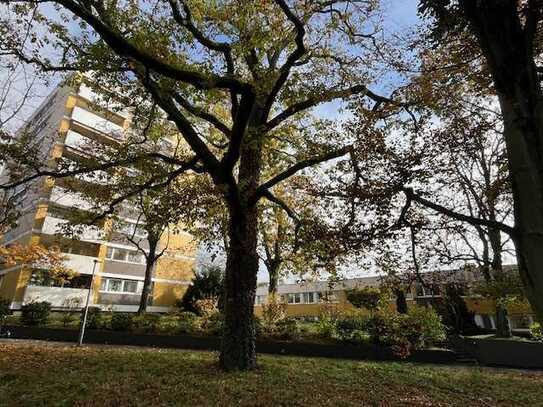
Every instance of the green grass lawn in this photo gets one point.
(47, 374)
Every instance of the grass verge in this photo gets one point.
(47, 374)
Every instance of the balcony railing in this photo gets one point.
(58, 297)
(75, 140)
(80, 264)
(96, 122)
(53, 226)
(64, 197)
(93, 97)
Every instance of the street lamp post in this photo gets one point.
(82, 330)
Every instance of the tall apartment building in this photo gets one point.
(59, 128)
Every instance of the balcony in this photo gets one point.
(80, 264)
(59, 297)
(87, 93)
(66, 198)
(94, 121)
(76, 141)
(53, 226)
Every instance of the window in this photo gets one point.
(135, 257)
(117, 285)
(131, 256)
(130, 286)
(294, 298)
(127, 228)
(308, 298)
(132, 229)
(119, 254)
(328, 296)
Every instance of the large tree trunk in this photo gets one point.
(526, 169)
(508, 49)
(238, 341)
(150, 261)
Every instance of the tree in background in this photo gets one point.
(296, 242)
(155, 218)
(207, 283)
(370, 298)
(243, 69)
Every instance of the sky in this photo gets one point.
(400, 15)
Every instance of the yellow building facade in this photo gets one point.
(62, 125)
(312, 299)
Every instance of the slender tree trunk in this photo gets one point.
(503, 328)
(150, 261)
(509, 52)
(273, 273)
(401, 301)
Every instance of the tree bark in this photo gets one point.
(150, 260)
(401, 301)
(273, 273)
(238, 340)
(503, 329)
(526, 169)
(508, 48)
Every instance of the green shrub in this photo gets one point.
(273, 311)
(213, 324)
(420, 328)
(148, 323)
(352, 328)
(370, 298)
(122, 321)
(67, 318)
(168, 324)
(536, 331)
(287, 328)
(187, 322)
(94, 318)
(35, 313)
(326, 327)
(427, 323)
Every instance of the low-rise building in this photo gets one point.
(310, 299)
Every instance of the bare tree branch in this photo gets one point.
(410, 194)
(261, 190)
